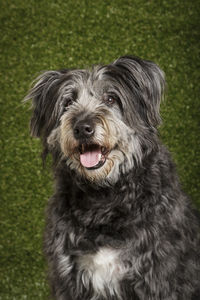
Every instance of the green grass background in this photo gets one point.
(43, 35)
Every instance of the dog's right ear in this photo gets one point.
(45, 95)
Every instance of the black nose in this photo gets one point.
(83, 130)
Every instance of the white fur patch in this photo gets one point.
(104, 270)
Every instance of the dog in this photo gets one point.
(119, 226)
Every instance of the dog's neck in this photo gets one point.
(105, 208)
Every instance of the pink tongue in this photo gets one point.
(90, 159)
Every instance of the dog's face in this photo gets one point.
(100, 121)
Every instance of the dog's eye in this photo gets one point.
(109, 100)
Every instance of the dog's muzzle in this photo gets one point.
(83, 130)
(92, 156)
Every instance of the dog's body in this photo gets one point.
(118, 225)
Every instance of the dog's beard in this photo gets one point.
(112, 150)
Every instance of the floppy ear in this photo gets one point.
(44, 95)
(147, 81)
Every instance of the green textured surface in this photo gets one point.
(43, 35)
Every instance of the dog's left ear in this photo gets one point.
(147, 82)
(45, 98)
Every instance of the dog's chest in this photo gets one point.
(103, 269)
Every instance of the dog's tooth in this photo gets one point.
(102, 149)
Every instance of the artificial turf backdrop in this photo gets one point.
(54, 34)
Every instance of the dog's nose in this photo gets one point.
(83, 130)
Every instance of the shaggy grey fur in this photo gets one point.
(122, 229)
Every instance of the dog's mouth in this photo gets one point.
(92, 156)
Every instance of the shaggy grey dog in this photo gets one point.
(119, 226)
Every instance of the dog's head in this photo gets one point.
(102, 121)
